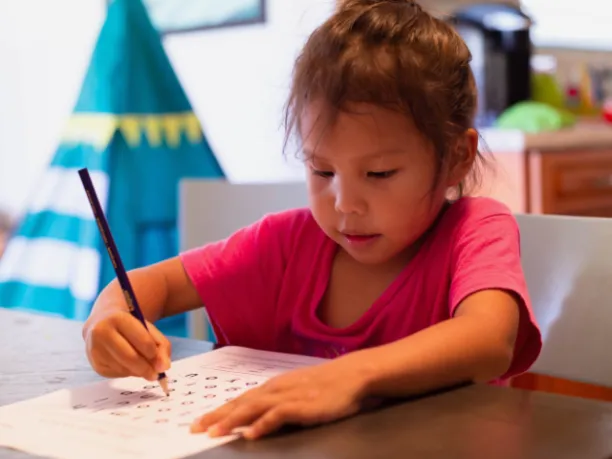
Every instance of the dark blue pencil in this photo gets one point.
(122, 276)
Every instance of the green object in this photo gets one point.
(544, 88)
(531, 116)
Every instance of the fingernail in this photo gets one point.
(249, 433)
(196, 426)
(214, 431)
(162, 365)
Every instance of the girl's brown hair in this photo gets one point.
(390, 53)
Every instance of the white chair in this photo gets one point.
(211, 210)
(568, 267)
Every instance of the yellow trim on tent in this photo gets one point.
(97, 129)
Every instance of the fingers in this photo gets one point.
(274, 419)
(263, 412)
(119, 345)
(225, 419)
(105, 365)
(259, 419)
(164, 349)
(126, 356)
(203, 423)
(137, 335)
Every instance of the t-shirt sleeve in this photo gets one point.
(239, 279)
(487, 256)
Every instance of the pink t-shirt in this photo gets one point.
(262, 286)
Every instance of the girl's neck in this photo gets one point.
(397, 263)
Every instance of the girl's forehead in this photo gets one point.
(370, 118)
(369, 129)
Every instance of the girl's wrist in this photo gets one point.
(359, 369)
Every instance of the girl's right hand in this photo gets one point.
(118, 345)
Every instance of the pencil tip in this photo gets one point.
(164, 385)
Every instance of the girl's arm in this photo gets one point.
(476, 345)
(117, 344)
(162, 289)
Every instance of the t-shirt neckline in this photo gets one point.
(329, 251)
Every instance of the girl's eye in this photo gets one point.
(325, 174)
(382, 174)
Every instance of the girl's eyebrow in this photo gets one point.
(309, 154)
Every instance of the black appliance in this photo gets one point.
(498, 36)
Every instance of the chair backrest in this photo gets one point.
(211, 210)
(568, 267)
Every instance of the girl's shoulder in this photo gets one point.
(287, 222)
(292, 229)
(470, 219)
(478, 207)
(476, 213)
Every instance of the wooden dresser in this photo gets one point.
(570, 172)
(570, 182)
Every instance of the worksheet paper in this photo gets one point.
(131, 418)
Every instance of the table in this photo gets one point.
(39, 355)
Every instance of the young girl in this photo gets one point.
(405, 289)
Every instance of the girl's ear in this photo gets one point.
(463, 156)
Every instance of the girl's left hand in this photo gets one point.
(307, 396)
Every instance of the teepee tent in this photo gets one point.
(134, 129)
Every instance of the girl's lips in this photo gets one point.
(358, 239)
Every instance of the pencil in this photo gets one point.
(113, 253)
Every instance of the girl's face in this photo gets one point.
(370, 179)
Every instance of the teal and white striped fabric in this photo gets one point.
(52, 261)
(135, 130)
